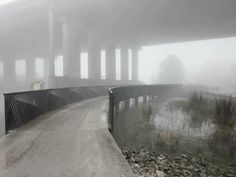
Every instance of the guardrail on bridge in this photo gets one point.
(22, 107)
(118, 94)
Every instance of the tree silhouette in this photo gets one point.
(171, 70)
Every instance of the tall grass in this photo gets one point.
(196, 100)
(224, 112)
(223, 140)
(199, 107)
(147, 111)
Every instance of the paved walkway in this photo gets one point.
(70, 142)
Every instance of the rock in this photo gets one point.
(202, 174)
(137, 165)
(160, 173)
(148, 164)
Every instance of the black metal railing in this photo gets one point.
(22, 107)
(118, 94)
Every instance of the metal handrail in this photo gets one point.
(22, 107)
(124, 93)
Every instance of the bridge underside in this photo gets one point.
(47, 29)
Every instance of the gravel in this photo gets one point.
(151, 164)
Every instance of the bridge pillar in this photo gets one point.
(51, 37)
(94, 58)
(110, 63)
(9, 70)
(30, 70)
(135, 64)
(46, 73)
(124, 63)
(71, 50)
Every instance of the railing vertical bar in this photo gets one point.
(6, 113)
(111, 111)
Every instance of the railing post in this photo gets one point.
(127, 104)
(6, 113)
(136, 101)
(111, 111)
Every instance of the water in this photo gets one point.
(179, 122)
(163, 127)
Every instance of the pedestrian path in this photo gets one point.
(69, 142)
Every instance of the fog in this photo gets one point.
(207, 62)
(82, 43)
(134, 47)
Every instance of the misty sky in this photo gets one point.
(202, 59)
(3, 2)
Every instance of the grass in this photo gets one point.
(224, 112)
(223, 141)
(196, 100)
(167, 140)
(147, 111)
(224, 116)
(198, 105)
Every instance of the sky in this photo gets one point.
(201, 59)
(3, 2)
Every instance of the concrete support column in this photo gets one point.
(51, 37)
(9, 70)
(124, 63)
(30, 70)
(94, 58)
(110, 63)
(46, 73)
(71, 50)
(135, 65)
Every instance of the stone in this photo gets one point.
(148, 164)
(160, 173)
(202, 174)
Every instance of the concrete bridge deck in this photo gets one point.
(69, 142)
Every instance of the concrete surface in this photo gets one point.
(69, 142)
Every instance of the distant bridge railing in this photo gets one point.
(119, 94)
(22, 107)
